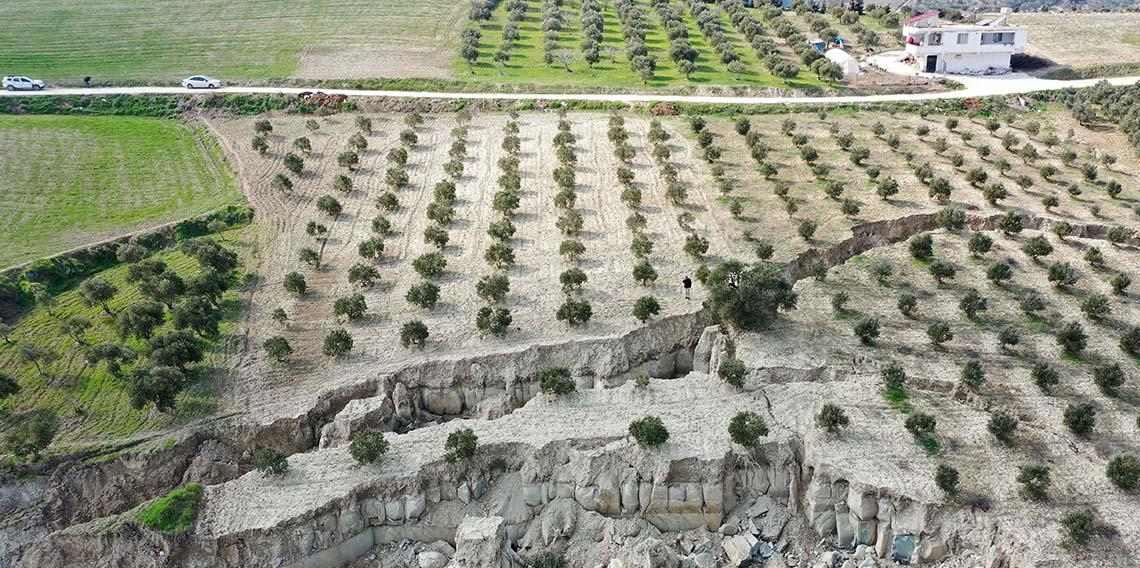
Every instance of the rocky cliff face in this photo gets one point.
(596, 497)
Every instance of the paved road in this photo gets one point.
(975, 87)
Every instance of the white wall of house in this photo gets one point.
(965, 49)
(970, 63)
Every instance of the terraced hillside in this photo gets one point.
(912, 339)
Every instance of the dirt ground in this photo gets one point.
(1083, 39)
(370, 62)
(269, 390)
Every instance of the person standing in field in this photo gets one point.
(688, 284)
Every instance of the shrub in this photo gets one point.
(350, 307)
(749, 297)
(907, 304)
(278, 348)
(649, 432)
(1079, 528)
(270, 461)
(1030, 304)
(574, 312)
(882, 270)
(746, 429)
(645, 308)
(733, 372)
(696, 246)
(388, 201)
(32, 433)
(1096, 307)
(1120, 283)
(460, 445)
(494, 321)
(839, 302)
(867, 330)
(1080, 418)
(972, 303)
(1062, 274)
(644, 273)
(999, 272)
(1072, 339)
(942, 270)
(1045, 377)
(425, 294)
(430, 265)
(973, 375)
(368, 446)
(1108, 378)
(894, 376)
(1130, 341)
(807, 229)
(1037, 247)
(1002, 425)
(338, 343)
(1010, 223)
(979, 244)
(831, 418)
(921, 425)
(922, 247)
(175, 513)
(1124, 472)
(572, 280)
(1035, 481)
(946, 478)
(413, 333)
(572, 250)
(1008, 336)
(556, 381)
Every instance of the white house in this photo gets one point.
(968, 49)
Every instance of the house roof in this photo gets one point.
(921, 16)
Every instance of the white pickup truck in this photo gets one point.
(17, 83)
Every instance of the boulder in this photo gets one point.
(862, 505)
(414, 506)
(442, 402)
(482, 541)
(738, 548)
(394, 511)
(931, 548)
(704, 349)
(559, 520)
(844, 529)
(630, 502)
(431, 559)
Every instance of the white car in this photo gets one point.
(201, 82)
(22, 84)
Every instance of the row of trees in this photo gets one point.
(645, 307)
(708, 20)
(494, 318)
(681, 49)
(574, 310)
(593, 23)
(552, 21)
(516, 13)
(634, 23)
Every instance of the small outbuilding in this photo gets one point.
(844, 60)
